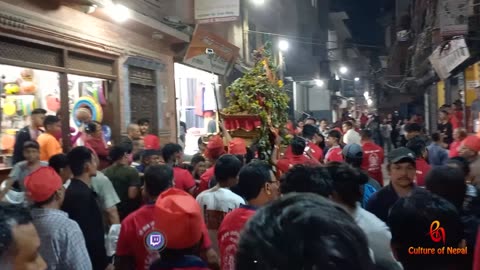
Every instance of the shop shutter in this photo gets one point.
(143, 104)
(142, 76)
(87, 63)
(23, 53)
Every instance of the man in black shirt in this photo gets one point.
(28, 133)
(81, 205)
(445, 127)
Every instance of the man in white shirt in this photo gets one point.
(218, 201)
(350, 136)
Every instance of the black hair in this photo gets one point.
(200, 141)
(78, 158)
(252, 179)
(413, 127)
(226, 167)
(436, 137)
(303, 178)
(117, 152)
(91, 127)
(298, 146)
(347, 182)
(410, 221)
(366, 134)
(444, 112)
(39, 111)
(50, 120)
(302, 231)
(143, 121)
(461, 163)
(31, 144)
(158, 178)
(11, 215)
(447, 182)
(417, 146)
(197, 158)
(311, 118)
(348, 124)
(335, 134)
(169, 150)
(58, 162)
(323, 119)
(309, 131)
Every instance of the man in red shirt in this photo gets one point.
(132, 252)
(373, 157)
(334, 150)
(419, 147)
(258, 185)
(183, 178)
(298, 156)
(308, 134)
(215, 149)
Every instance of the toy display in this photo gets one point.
(86, 109)
(11, 89)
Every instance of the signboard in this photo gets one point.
(453, 17)
(196, 56)
(211, 11)
(449, 56)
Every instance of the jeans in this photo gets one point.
(387, 144)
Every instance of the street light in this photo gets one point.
(118, 13)
(319, 83)
(343, 70)
(283, 45)
(257, 2)
(357, 79)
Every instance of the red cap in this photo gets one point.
(151, 142)
(237, 146)
(178, 217)
(215, 147)
(472, 143)
(41, 184)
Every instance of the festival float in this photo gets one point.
(257, 105)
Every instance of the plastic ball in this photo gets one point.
(11, 89)
(9, 109)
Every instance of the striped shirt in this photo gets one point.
(62, 243)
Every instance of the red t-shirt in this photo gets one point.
(205, 179)
(286, 163)
(373, 156)
(422, 169)
(315, 150)
(454, 149)
(131, 241)
(334, 154)
(229, 235)
(183, 179)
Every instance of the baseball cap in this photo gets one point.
(237, 146)
(472, 143)
(41, 184)
(215, 147)
(178, 217)
(352, 151)
(400, 154)
(151, 142)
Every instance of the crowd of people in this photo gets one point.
(321, 202)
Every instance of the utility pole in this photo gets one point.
(245, 29)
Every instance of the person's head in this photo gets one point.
(44, 187)
(302, 231)
(298, 145)
(413, 220)
(199, 165)
(448, 183)
(94, 129)
(81, 161)
(306, 179)
(346, 126)
(31, 151)
(353, 155)
(257, 183)
(119, 155)
(310, 121)
(333, 138)
(133, 131)
(38, 117)
(366, 135)
(144, 125)
(309, 131)
(460, 163)
(215, 148)
(172, 153)
(60, 164)
(178, 217)
(227, 168)
(443, 115)
(459, 134)
(201, 145)
(323, 124)
(470, 147)
(418, 146)
(347, 182)
(401, 167)
(436, 137)
(20, 244)
(151, 157)
(412, 130)
(158, 178)
(52, 124)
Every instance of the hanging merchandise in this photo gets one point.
(11, 89)
(9, 108)
(86, 109)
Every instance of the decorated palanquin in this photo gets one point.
(258, 104)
